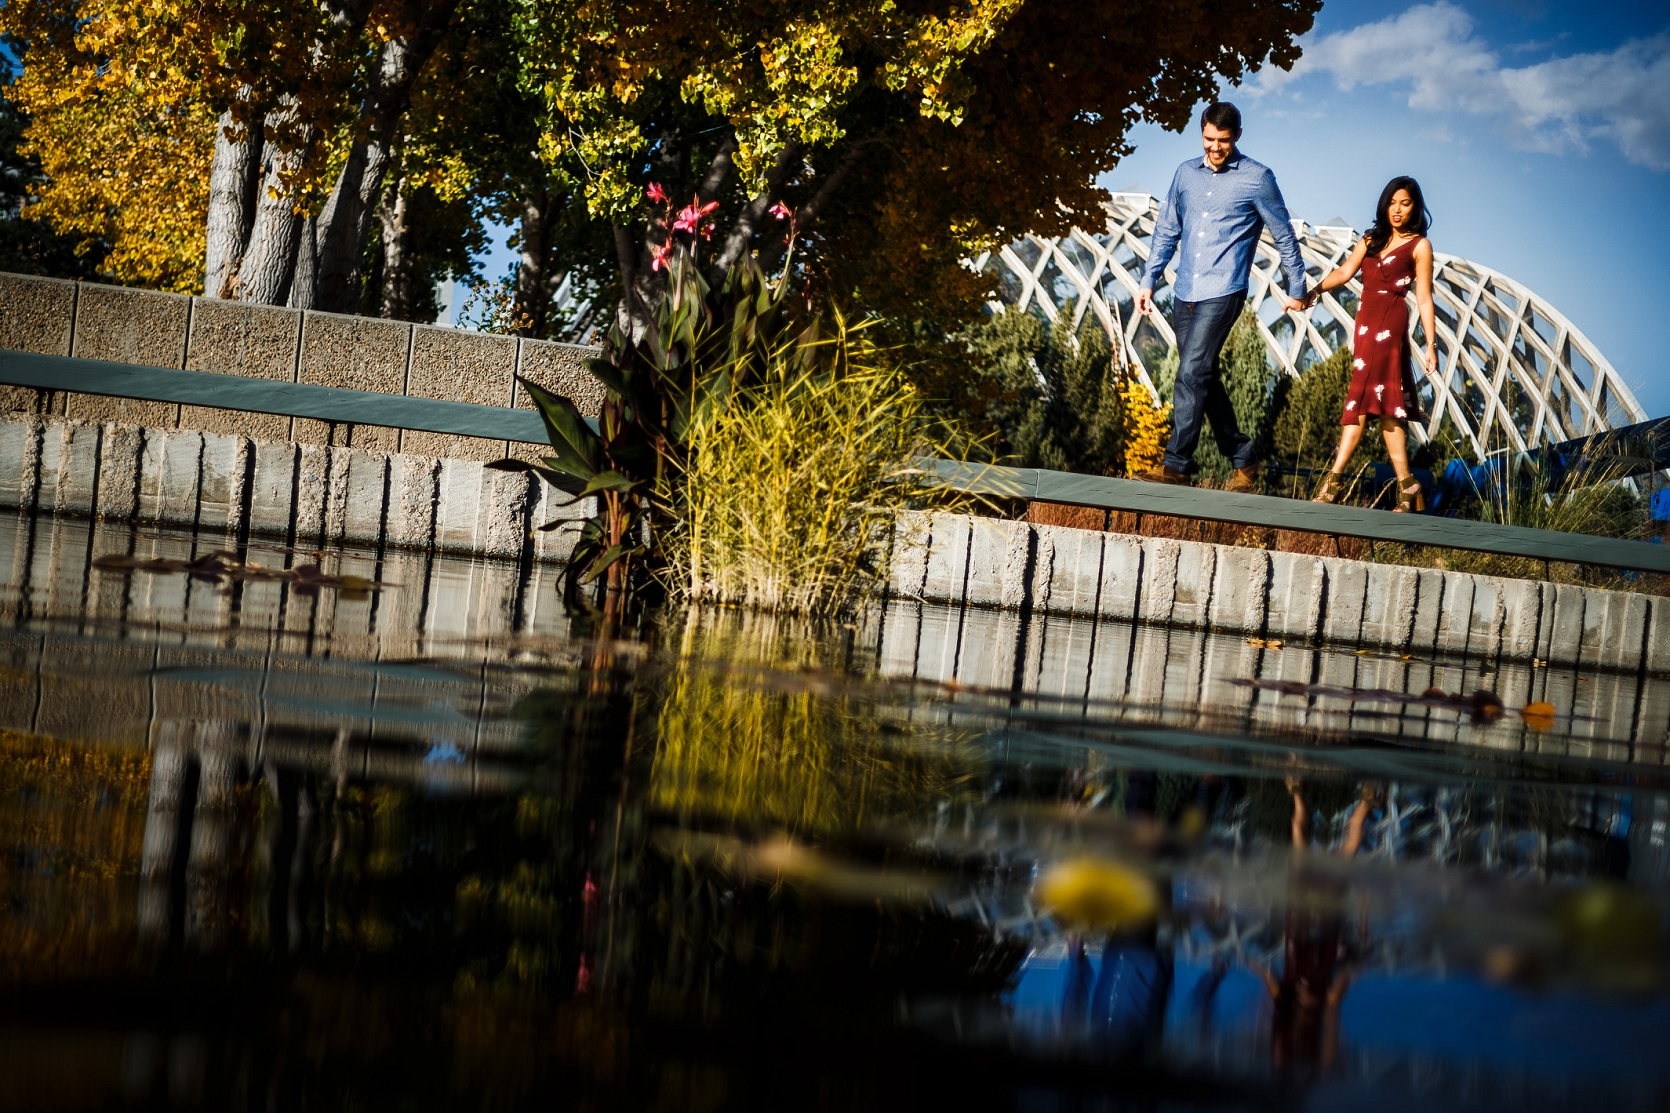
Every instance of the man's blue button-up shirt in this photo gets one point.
(1212, 220)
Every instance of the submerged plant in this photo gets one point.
(770, 741)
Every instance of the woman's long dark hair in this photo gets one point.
(1419, 219)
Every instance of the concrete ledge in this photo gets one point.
(356, 353)
(307, 494)
(126, 325)
(36, 315)
(1056, 570)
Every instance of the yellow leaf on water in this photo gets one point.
(1538, 716)
(1099, 895)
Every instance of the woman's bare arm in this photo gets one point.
(1345, 272)
(1423, 299)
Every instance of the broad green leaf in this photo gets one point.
(572, 441)
(611, 481)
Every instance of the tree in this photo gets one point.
(1060, 399)
(251, 137)
(902, 137)
(1059, 404)
(29, 246)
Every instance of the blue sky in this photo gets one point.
(1539, 131)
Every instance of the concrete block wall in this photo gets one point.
(92, 321)
(307, 494)
(1056, 570)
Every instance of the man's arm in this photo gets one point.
(1272, 209)
(1168, 229)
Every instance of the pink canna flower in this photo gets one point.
(781, 211)
(662, 254)
(656, 193)
(691, 216)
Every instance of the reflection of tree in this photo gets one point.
(757, 743)
(71, 831)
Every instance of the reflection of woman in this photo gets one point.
(1307, 995)
(1394, 256)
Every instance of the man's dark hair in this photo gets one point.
(1223, 116)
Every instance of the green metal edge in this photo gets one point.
(1266, 512)
(233, 392)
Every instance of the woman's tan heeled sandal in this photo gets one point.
(1332, 486)
(1410, 499)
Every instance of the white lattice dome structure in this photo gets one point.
(1516, 373)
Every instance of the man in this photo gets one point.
(1212, 219)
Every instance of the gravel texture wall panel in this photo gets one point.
(354, 353)
(125, 325)
(254, 341)
(459, 366)
(36, 315)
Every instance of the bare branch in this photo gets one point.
(806, 217)
(742, 232)
(717, 170)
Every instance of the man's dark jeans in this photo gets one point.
(1202, 327)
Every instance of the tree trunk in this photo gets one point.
(394, 214)
(533, 290)
(632, 314)
(268, 267)
(346, 219)
(234, 178)
(303, 288)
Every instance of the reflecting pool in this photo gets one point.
(372, 830)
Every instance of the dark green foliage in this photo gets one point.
(1057, 401)
(1306, 431)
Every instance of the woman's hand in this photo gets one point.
(1432, 362)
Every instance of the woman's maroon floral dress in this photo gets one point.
(1383, 380)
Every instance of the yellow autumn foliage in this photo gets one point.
(123, 168)
(1147, 427)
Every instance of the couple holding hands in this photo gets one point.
(1211, 222)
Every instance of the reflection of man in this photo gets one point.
(1121, 1008)
(1212, 218)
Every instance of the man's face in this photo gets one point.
(1219, 145)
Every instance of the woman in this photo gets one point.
(1394, 255)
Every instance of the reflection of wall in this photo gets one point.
(1517, 373)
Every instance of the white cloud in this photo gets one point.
(1555, 106)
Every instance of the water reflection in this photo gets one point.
(439, 848)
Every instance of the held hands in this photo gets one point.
(1296, 305)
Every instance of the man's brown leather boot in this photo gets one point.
(1163, 474)
(1243, 482)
